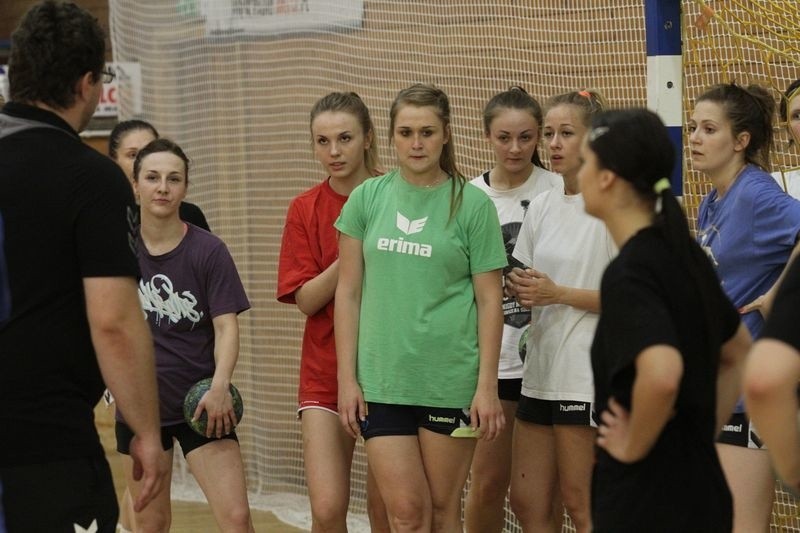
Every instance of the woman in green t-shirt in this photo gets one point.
(418, 318)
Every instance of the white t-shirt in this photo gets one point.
(511, 207)
(573, 248)
(789, 180)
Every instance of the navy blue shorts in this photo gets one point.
(556, 413)
(388, 419)
(185, 435)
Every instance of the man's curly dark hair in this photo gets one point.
(55, 44)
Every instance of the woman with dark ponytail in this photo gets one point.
(669, 346)
(749, 228)
(512, 124)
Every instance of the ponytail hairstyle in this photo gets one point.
(122, 129)
(514, 98)
(749, 109)
(423, 95)
(792, 92)
(588, 101)
(634, 145)
(351, 103)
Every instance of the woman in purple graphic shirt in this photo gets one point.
(191, 295)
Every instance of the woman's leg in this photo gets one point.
(396, 462)
(376, 509)
(534, 477)
(749, 475)
(490, 477)
(327, 455)
(574, 447)
(446, 460)
(217, 466)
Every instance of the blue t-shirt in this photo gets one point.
(749, 234)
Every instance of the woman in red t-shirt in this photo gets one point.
(344, 143)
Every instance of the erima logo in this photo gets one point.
(567, 408)
(401, 246)
(410, 227)
(441, 419)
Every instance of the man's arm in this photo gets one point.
(124, 350)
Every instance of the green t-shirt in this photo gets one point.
(418, 341)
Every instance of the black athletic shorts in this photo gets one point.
(185, 435)
(60, 497)
(388, 420)
(509, 389)
(739, 431)
(556, 413)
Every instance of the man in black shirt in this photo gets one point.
(75, 319)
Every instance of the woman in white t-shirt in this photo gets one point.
(564, 251)
(512, 123)
(789, 179)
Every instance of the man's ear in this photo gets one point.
(85, 85)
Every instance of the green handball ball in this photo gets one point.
(194, 396)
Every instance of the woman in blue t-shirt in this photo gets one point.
(749, 228)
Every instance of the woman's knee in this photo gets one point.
(489, 488)
(329, 510)
(237, 517)
(410, 514)
(519, 501)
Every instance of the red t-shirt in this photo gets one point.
(310, 245)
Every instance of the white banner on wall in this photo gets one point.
(233, 18)
(128, 78)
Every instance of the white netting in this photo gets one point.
(752, 41)
(233, 82)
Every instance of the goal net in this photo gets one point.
(233, 82)
(746, 41)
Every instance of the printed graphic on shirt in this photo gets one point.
(514, 314)
(159, 297)
(133, 224)
(410, 227)
(704, 236)
(402, 246)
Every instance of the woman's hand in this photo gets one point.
(352, 408)
(613, 435)
(218, 405)
(486, 414)
(532, 288)
(762, 304)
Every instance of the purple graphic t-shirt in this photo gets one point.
(181, 292)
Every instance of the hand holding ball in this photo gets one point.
(193, 398)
